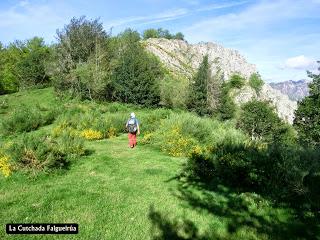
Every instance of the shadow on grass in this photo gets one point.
(164, 228)
(246, 216)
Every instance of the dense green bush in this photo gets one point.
(256, 82)
(26, 119)
(174, 91)
(180, 134)
(236, 81)
(31, 68)
(23, 64)
(161, 33)
(259, 120)
(279, 171)
(34, 152)
(150, 121)
(22, 119)
(115, 107)
(78, 119)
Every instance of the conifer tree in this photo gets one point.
(137, 73)
(198, 98)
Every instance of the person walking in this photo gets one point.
(133, 128)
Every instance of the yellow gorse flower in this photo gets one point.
(176, 144)
(147, 138)
(91, 134)
(112, 132)
(5, 167)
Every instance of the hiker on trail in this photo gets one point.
(133, 128)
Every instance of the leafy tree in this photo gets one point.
(161, 33)
(259, 120)
(79, 40)
(2, 90)
(179, 36)
(198, 100)
(137, 73)
(23, 64)
(256, 82)
(164, 33)
(82, 42)
(150, 33)
(307, 116)
(9, 57)
(315, 84)
(174, 91)
(31, 68)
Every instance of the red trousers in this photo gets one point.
(132, 139)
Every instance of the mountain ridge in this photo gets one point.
(296, 90)
(183, 58)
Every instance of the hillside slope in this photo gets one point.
(183, 58)
(122, 193)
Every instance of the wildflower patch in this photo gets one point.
(5, 167)
(91, 134)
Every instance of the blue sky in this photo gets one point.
(280, 36)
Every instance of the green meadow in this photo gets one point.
(114, 192)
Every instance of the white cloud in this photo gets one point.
(171, 14)
(160, 17)
(301, 63)
(221, 5)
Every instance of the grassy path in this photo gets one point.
(109, 193)
(122, 193)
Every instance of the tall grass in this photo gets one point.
(191, 131)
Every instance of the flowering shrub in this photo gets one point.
(112, 132)
(175, 143)
(197, 150)
(91, 134)
(64, 128)
(34, 153)
(147, 138)
(5, 167)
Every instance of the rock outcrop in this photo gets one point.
(183, 58)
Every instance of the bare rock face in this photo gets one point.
(183, 58)
(284, 106)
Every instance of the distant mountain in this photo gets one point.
(296, 90)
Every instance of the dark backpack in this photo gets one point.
(132, 125)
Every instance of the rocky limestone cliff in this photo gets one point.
(183, 58)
